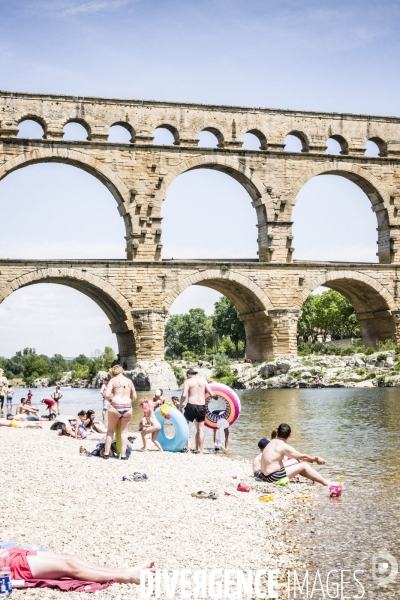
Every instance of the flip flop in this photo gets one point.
(199, 495)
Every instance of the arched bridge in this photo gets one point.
(137, 293)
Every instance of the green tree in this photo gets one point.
(308, 319)
(330, 311)
(227, 323)
(35, 366)
(172, 341)
(191, 332)
(197, 331)
(108, 356)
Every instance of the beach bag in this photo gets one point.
(57, 425)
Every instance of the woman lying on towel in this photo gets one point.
(68, 572)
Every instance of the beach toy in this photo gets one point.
(180, 439)
(300, 497)
(283, 481)
(335, 491)
(242, 487)
(118, 441)
(232, 405)
(164, 410)
(266, 498)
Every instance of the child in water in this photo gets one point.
(149, 424)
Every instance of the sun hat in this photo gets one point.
(191, 372)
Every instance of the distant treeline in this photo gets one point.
(28, 366)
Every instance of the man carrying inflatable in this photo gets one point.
(195, 411)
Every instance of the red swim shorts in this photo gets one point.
(18, 563)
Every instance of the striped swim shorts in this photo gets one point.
(272, 477)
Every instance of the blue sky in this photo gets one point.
(335, 56)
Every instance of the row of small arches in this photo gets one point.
(123, 133)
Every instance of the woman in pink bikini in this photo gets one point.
(123, 394)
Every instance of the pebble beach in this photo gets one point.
(70, 503)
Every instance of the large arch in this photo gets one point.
(82, 161)
(373, 188)
(107, 297)
(376, 192)
(236, 169)
(374, 305)
(250, 300)
(251, 182)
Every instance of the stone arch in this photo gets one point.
(261, 137)
(382, 145)
(261, 199)
(374, 305)
(39, 120)
(243, 292)
(250, 300)
(126, 126)
(80, 121)
(344, 146)
(375, 191)
(233, 167)
(77, 159)
(300, 135)
(217, 132)
(172, 129)
(106, 296)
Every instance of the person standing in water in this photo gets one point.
(10, 394)
(106, 403)
(56, 396)
(3, 393)
(123, 394)
(195, 389)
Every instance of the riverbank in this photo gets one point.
(69, 503)
(380, 369)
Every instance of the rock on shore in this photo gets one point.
(357, 370)
(150, 375)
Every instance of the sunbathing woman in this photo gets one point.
(154, 427)
(123, 394)
(92, 425)
(12, 422)
(46, 568)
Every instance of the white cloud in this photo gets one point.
(64, 8)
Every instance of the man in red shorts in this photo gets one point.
(50, 407)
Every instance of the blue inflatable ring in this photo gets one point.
(180, 439)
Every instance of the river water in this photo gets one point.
(357, 431)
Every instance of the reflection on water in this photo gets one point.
(357, 432)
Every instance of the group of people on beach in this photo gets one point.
(277, 460)
(26, 412)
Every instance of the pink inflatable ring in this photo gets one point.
(232, 405)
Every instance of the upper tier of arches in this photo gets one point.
(252, 138)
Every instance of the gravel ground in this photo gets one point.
(69, 503)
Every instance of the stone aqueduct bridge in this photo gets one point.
(137, 293)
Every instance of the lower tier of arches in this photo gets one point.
(137, 297)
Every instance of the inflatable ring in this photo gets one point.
(232, 405)
(180, 439)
